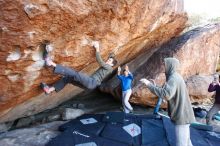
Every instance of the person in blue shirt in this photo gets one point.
(126, 81)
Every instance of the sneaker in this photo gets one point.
(45, 87)
(131, 111)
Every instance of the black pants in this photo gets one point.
(76, 78)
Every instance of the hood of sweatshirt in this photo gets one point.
(171, 66)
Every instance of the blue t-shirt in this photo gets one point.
(125, 81)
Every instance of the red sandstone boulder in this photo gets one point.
(198, 88)
(126, 28)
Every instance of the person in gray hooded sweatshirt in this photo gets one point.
(179, 105)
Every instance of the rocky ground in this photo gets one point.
(37, 130)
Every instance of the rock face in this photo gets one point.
(35, 136)
(198, 52)
(69, 113)
(125, 28)
(198, 88)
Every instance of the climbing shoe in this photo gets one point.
(45, 87)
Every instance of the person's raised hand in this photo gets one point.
(126, 67)
(216, 80)
(119, 69)
(145, 81)
(95, 44)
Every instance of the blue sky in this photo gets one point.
(211, 8)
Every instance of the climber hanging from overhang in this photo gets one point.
(70, 76)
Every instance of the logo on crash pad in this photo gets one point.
(88, 121)
(132, 129)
